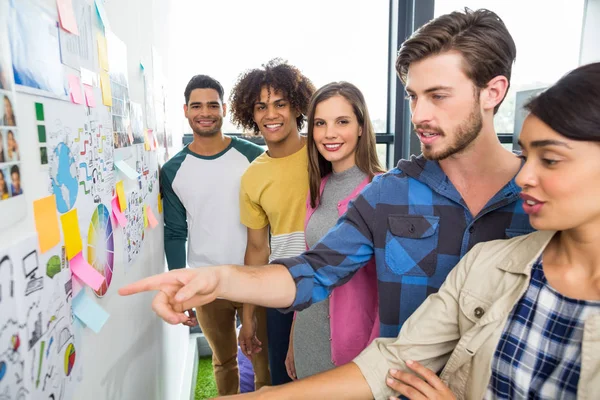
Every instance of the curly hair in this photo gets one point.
(278, 75)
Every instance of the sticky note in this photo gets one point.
(105, 86)
(75, 89)
(145, 216)
(66, 16)
(151, 218)
(159, 204)
(41, 133)
(121, 196)
(102, 14)
(39, 111)
(116, 210)
(102, 52)
(88, 77)
(90, 100)
(151, 140)
(84, 271)
(70, 227)
(46, 222)
(127, 170)
(146, 140)
(87, 311)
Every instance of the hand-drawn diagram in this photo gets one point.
(38, 341)
(134, 230)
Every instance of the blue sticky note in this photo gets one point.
(127, 170)
(88, 312)
(102, 13)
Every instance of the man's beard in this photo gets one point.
(465, 134)
(212, 132)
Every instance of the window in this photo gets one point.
(547, 35)
(328, 41)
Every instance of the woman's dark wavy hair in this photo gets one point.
(366, 151)
(571, 106)
(278, 75)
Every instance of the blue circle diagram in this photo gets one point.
(64, 178)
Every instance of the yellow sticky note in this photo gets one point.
(121, 196)
(46, 222)
(159, 204)
(146, 140)
(102, 52)
(70, 226)
(145, 216)
(105, 86)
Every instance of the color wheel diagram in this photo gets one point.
(101, 246)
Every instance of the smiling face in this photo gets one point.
(205, 112)
(560, 179)
(336, 132)
(444, 103)
(275, 117)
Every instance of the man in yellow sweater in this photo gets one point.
(273, 100)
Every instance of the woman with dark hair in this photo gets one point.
(4, 193)
(9, 113)
(12, 147)
(342, 160)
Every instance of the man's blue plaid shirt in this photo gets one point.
(418, 227)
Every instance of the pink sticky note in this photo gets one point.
(85, 272)
(151, 218)
(66, 16)
(116, 209)
(90, 100)
(75, 89)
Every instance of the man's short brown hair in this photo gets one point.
(479, 36)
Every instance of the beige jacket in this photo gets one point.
(458, 328)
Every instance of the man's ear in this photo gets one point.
(224, 109)
(494, 92)
(185, 110)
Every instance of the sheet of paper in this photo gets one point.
(105, 86)
(88, 312)
(151, 218)
(90, 100)
(102, 52)
(127, 170)
(70, 226)
(121, 196)
(66, 16)
(84, 271)
(75, 89)
(46, 222)
(120, 216)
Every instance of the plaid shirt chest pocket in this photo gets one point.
(411, 244)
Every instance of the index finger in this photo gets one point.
(147, 284)
(427, 374)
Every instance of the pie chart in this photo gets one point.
(101, 246)
(69, 359)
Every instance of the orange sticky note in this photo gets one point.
(66, 16)
(46, 222)
(146, 140)
(151, 218)
(70, 227)
(84, 271)
(145, 216)
(75, 89)
(121, 196)
(102, 52)
(105, 86)
(159, 204)
(116, 209)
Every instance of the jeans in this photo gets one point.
(278, 332)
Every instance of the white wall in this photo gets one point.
(136, 355)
